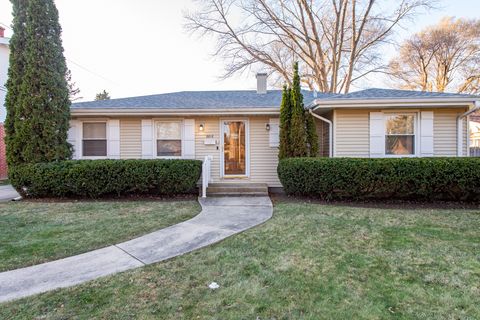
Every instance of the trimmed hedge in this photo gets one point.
(98, 178)
(399, 178)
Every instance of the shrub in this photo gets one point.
(360, 179)
(97, 178)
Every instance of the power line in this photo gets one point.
(76, 63)
(90, 71)
(6, 26)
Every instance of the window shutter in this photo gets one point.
(188, 142)
(74, 138)
(113, 139)
(147, 139)
(274, 133)
(426, 133)
(377, 135)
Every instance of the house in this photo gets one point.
(4, 58)
(237, 132)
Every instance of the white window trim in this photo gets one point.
(416, 133)
(247, 151)
(80, 147)
(154, 131)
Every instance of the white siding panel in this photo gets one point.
(377, 134)
(274, 133)
(113, 139)
(426, 134)
(189, 139)
(147, 139)
(73, 135)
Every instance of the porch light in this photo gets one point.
(267, 126)
(201, 127)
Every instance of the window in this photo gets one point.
(169, 138)
(400, 134)
(94, 139)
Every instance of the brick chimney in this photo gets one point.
(2, 32)
(262, 83)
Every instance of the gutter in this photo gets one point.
(383, 102)
(172, 112)
(330, 131)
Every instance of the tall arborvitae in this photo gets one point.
(15, 76)
(312, 137)
(42, 107)
(285, 118)
(298, 135)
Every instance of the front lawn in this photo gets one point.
(309, 262)
(34, 232)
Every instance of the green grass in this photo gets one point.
(309, 262)
(31, 233)
(4, 182)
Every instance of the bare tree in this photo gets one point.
(337, 41)
(444, 57)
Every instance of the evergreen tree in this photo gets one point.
(41, 105)
(285, 118)
(312, 137)
(102, 96)
(15, 75)
(298, 134)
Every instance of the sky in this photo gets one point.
(139, 47)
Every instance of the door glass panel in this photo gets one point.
(234, 147)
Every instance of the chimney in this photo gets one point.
(262, 83)
(2, 32)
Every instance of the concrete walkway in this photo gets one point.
(219, 219)
(8, 193)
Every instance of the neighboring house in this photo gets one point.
(4, 58)
(239, 130)
(475, 135)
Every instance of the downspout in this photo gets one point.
(330, 132)
(460, 130)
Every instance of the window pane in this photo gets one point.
(94, 148)
(169, 148)
(400, 145)
(400, 124)
(169, 130)
(94, 130)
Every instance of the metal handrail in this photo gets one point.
(206, 174)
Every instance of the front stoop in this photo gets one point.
(237, 189)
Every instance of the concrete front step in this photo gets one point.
(228, 189)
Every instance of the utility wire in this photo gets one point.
(76, 63)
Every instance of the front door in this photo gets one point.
(235, 153)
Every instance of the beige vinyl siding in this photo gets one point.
(212, 127)
(445, 132)
(351, 133)
(130, 139)
(263, 158)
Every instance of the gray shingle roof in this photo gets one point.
(250, 99)
(378, 93)
(198, 100)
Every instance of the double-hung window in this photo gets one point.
(400, 134)
(169, 138)
(94, 139)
